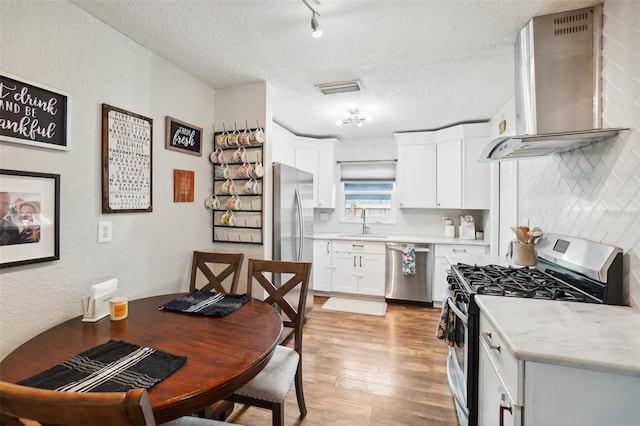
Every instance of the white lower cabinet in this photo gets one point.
(441, 266)
(322, 265)
(515, 392)
(358, 268)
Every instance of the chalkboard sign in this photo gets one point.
(32, 114)
(183, 137)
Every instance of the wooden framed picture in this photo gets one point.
(183, 137)
(30, 217)
(126, 161)
(183, 185)
(33, 114)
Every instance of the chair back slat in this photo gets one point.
(277, 295)
(204, 261)
(74, 408)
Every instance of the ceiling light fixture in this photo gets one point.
(317, 32)
(354, 118)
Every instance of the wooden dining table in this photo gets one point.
(223, 353)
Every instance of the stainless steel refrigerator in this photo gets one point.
(293, 219)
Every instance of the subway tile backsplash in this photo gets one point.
(594, 192)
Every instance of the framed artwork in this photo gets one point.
(183, 137)
(126, 161)
(33, 114)
(30, 217)
(183, 184)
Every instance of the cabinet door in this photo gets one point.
(492, 400)
(449, 175)
(417, 176)
(322, 265)
(326, 179)
(371, 274)
(441, 270)
(307, 160)
(476, 175)
(345, 273)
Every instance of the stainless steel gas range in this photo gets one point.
(568, 269)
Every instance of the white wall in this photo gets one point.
(56, 44)
(594, 192)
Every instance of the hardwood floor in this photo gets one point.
(368, 370)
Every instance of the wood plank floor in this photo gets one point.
(368, 370)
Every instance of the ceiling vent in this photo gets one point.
(340, 87)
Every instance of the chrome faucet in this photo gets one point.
(363, 215)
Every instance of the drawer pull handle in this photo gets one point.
(357, 245)
(486, 335)
(502, 410)
(459, 250)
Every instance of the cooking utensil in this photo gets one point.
(520, 235)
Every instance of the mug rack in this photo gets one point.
(248, 217)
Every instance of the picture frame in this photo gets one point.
(30, 217)
(127, 148)
(183, 137)
(33, 114)
(183, 186)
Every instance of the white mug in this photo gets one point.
(257, 136)
(258, 169)
(228, 218)
(240, 155)
(234, 203)
(212, 202)
(251, 186)
(222, 171)
(228, 187)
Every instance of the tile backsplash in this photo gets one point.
(594, 192)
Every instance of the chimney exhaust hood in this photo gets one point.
(557, 87)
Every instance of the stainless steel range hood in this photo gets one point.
(558, 87)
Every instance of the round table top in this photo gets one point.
(222, 353)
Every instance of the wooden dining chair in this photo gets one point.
(22, 405)
(208, 263)
(270, 387)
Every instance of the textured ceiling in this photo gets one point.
(423, 64)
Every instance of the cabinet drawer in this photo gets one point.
(505, 363)
(458, 249)
(358, 247)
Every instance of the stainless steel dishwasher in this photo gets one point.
(411, 284)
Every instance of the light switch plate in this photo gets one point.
(104, 232)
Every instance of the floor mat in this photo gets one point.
(356, 306)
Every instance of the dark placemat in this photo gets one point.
(206, 303)
(115, 366)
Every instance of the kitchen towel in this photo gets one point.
(409, 259)
(450, 328)
(207, 303)
(115, 366)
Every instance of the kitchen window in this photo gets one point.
(368, 186)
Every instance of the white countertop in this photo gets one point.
(582, 335)
(413, 239)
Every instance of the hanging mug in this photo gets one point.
(228, 218)
(217, 156)
(257, 136)
(243, 138)
(234, 202)
(223, 171)
(228, 187)
(258, 169)
(212, 202)
(221, 139)
(233, 138)
(243, 171)
(240, 155)
(251, 186)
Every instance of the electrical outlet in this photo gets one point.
(104, 232)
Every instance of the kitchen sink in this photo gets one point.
(355, 236)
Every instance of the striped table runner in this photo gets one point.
(206, 303)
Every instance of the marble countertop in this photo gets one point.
(414, 239)
(582, 335)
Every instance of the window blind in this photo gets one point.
(368, 171)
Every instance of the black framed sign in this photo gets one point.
(33, 114)
(126, 161)
(29, 217)
(183, 137)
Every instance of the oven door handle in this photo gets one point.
(455, 385)
(463, 317)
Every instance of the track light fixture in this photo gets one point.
(315, 27)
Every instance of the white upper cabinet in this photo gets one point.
(441, 169)
(416, 186)
(316, 156)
